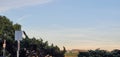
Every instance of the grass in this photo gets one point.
(71, 55)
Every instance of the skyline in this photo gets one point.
(93, 24)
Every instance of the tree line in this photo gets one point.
(100, 53)
(29, 46)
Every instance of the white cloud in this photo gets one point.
(21, 18)
(12, 4)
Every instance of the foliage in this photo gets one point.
(100, 53)
(29, 46)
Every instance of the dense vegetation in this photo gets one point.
(29, 46)
(100, 53)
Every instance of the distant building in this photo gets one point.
(75, 51)
(68, 51)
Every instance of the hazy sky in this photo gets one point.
(75, 24)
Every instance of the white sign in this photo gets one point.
(18, 35)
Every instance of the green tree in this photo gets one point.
(7, 29)
(29, 46)
(115, 53)
(100, 53)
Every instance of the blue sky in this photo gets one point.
(78, 24)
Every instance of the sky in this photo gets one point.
(75, 24)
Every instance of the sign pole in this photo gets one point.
(18, 48)
(18, 37)
(4, 45)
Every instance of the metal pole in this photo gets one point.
(18, 48)
(4, 45)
